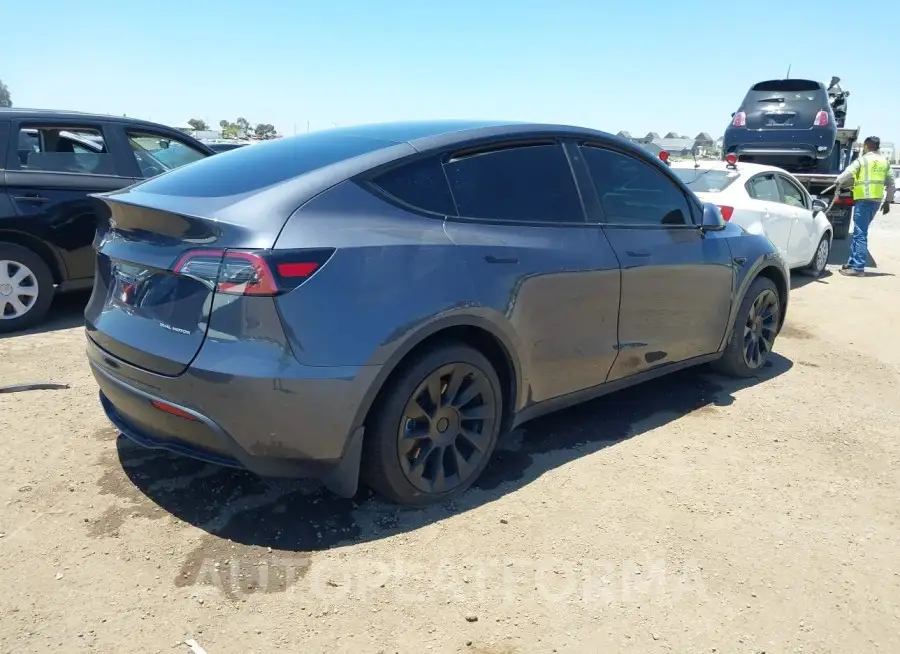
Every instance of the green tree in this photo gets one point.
(264, 131)
(5, 98)
(243, 125)
(198, 124)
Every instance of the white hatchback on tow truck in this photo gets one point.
(765, 200)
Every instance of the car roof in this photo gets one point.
(423, 135)
(749, 169)
(61, 114)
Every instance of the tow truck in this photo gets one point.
(819, 183)
(815, 183)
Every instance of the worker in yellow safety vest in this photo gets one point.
(871, 176)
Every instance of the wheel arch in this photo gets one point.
(46, 252)
(474, 331)
(764, 267)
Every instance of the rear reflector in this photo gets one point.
(727, 212)
(821, 119)
(252, 272)
(304, 269)
(844, 201)
(172, 410)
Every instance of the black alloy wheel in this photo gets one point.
(446, 429)
(760, 329)
(756, 325)
(434, 427)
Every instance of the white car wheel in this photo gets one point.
(26, 288)
(18, 290)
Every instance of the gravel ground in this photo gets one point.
(693, 514)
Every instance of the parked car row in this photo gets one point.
(383, 302)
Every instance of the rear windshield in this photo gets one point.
(706, 181)
(253, 168)
(786, 90)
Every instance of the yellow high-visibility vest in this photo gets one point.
(869, 178)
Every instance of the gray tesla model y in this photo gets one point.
(382, 302)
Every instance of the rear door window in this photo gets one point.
(633, 193)
(156, 154)
(76, 149)
(764, 187)
(524, 183)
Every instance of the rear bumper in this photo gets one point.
(299, 422)
(780, 143)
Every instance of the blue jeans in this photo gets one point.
(863, 214)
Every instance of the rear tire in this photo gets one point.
(841, 230)
(757, 322)
(819, 260)
(26, 288)
(434, 428)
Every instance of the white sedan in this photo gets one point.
(765, 200)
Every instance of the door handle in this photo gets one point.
(490, 258)
(640, 255)
(35, 198)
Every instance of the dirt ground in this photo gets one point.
(692, 514)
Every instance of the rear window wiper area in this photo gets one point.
(771, 100)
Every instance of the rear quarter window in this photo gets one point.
(253, 168)
(420, 184)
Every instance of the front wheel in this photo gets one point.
(755, 329)
(435, 428)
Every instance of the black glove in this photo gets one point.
(886, 208)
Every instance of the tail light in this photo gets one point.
(726, 212)
(844, 201)
(821, 119)
(252, 272)
(740, 119)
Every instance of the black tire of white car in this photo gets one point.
(732, 363)
(16, 261)
(841, 230)
(819, 260)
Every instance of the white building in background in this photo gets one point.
(888, 150)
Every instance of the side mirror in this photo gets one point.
(819, 206)
(712, 220)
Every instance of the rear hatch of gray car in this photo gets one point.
(173, 242)
(788, 104)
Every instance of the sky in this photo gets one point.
(640, 66)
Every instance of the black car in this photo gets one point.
(49, 162)
(788, 123)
